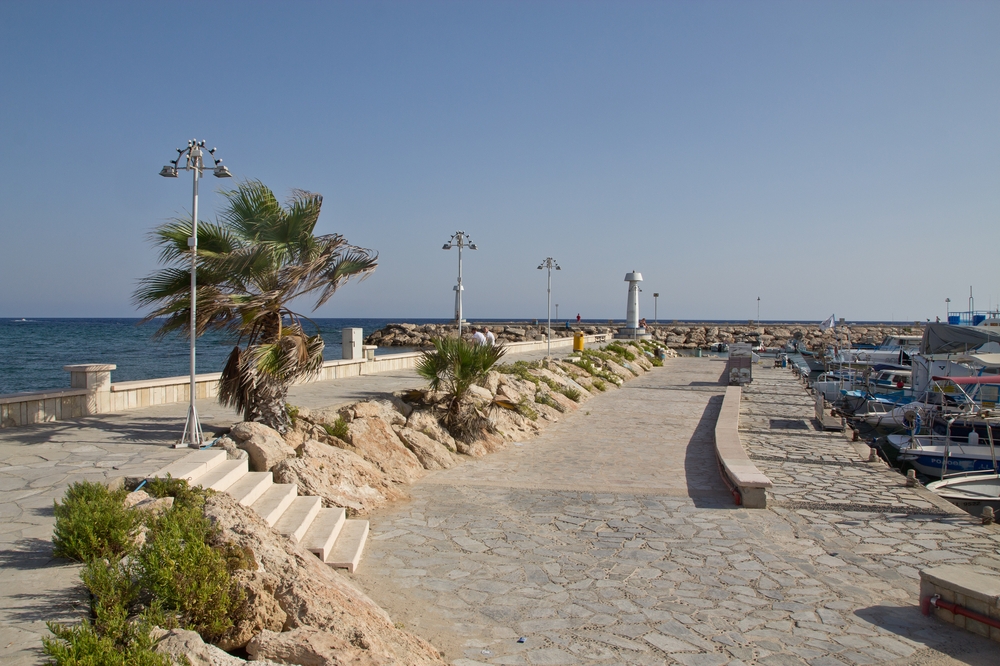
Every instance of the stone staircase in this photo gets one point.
(324, 531)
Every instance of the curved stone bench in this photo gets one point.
(738, 470)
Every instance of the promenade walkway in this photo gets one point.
(610, 540)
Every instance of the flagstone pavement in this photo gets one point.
(610, 539)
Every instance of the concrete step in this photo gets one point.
(298, 517)
(222, 475)
(250, 487)
(324, 531)
(350, 544)
(274, 501)
(193, 464)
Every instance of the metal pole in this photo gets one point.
(193, 428)
(460, 243)
(548, 332)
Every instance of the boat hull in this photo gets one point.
(971, 493)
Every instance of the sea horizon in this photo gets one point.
(37, 348)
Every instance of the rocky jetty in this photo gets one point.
(675, 335)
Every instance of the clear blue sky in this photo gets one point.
(828, 157)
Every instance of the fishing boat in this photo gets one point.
(970, 492)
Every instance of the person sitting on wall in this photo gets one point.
(642, 323)
(490, 338)
(477, 337)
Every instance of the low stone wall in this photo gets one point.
(972, 591)
(736, 466)
(93, 392)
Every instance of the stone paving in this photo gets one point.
(610, 539)
(38, 463)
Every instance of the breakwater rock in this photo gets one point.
(678, 335)
(691, 336)
(420, 335)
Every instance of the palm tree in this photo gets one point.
(252, 264)
(454, 367)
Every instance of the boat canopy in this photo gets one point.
(944, 338)
(983, 379)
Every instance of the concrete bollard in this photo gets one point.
(872, 454)
(911, 478)
(987, 515)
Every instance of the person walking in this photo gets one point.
(490, 338)
(477, 337)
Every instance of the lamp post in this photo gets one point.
(557, 313)
(758, 310)
(656, 295)
(947, 310)
(549, 264)
(194, 161)
(459, 239)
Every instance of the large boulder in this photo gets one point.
(432, 455)
(182, 644)
(380, 409)
(340, 477)
(265, 446)
(511, 425)
(375, 441)
(564, 403)
(429, 424)
(308, 646)
(260, 610)
(479, 395)
(485, 444)
(619, 370)
(314, 595)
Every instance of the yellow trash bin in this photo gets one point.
(578, 341)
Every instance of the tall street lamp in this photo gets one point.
(758, 310)
(194, 161)
(549, 264)
(557, 312)
(656, 295)
(459, 239)
(947, 310)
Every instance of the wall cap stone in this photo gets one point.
(964, 580)
(90, 367)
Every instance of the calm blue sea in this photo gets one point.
(33, 351)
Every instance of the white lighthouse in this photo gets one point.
(632, 329)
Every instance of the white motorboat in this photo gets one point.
(971, 492)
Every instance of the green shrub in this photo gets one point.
(293, 413)
(83, 645)
(571, 393)
(656, 361)
(185, 495)
(600, 385)
(176, 578)
(186, 575)
(520, 370)
(525, 409)
(620, 350)
(587, 365)
(92, 522)
(338, 429)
